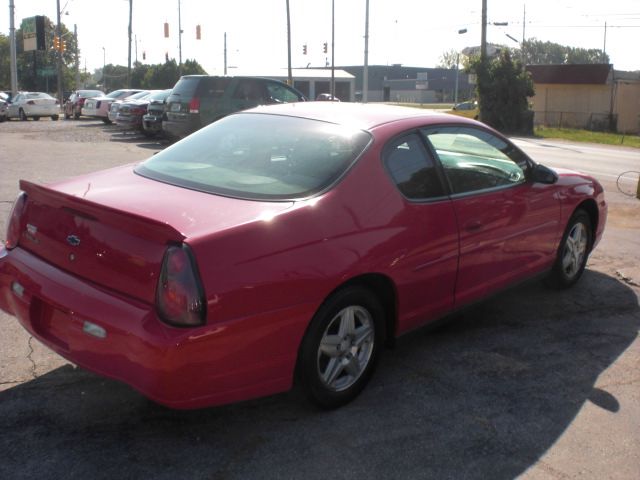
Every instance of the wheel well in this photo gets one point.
(384, 289)
(591, 208)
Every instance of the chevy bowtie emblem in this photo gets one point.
(73, 240)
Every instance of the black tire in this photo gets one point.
(66, 116)
(76, 115)
(106, 121)
(573, 252)
(338, 356)
(21, 115)
(36, 118)
(54, 117)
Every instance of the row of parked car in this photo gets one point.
(195, 101)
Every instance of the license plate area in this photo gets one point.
(50, 323)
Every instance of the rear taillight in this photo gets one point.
(138, 110)
(194, 105)
(15, 217)
(180, 298)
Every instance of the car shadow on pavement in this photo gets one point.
(483, 396)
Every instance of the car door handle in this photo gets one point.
(473, 226)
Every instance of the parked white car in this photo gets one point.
(33, 105)
(98, 107)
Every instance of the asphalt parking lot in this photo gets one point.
(534, 383)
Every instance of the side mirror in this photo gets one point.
(542, 174)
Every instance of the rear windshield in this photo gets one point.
(260, 157)
(185, 87)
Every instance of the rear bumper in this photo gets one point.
(133, 122)
(152, 123)
(181, 128)
(180, 368)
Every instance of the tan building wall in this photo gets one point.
(588, 106)
(572, 106)
(627, 106)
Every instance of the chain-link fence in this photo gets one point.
(595, 122)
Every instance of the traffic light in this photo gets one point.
(56, 43)
(197, 32)
(144, 55)
(304, 49)
(325, 47)
(166, 30)
(63, 46)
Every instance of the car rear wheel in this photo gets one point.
(573, 251)
(76, 115)
(106, 121)
(36, 118)
(22, 115)
(54, 117)
(340, 350)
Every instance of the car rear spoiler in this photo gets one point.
(138, 225)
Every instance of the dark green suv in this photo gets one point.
(198, 100)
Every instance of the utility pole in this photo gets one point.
(365, 70)
(129, 60)
(12, 48)
(75, 37)
(225, 53)
(604, 47)
(524, 24)
(59, 55)
(179, 39)
(333, 49)
(289, 73)
(483, 35)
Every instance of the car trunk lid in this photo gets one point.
(113, 227)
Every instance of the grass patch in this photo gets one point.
(576, 135)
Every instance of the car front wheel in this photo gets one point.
(573, 252)
(54, 117)
(341, 347)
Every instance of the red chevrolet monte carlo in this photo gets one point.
(286, 244)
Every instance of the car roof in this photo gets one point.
(361, 115)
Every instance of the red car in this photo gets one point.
(75, 102)
(285, 244)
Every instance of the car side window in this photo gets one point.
(280, 93)
(412, 169)
(475, 160)
(249, 90)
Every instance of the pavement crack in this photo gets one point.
(33, 364)
(626, 279)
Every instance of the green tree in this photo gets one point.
(538, 52)
(5, 63)
(191, 67)
(114, 77)
(162, 75)
(503, 88)
(448, 59)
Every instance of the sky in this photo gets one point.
(408, 32)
